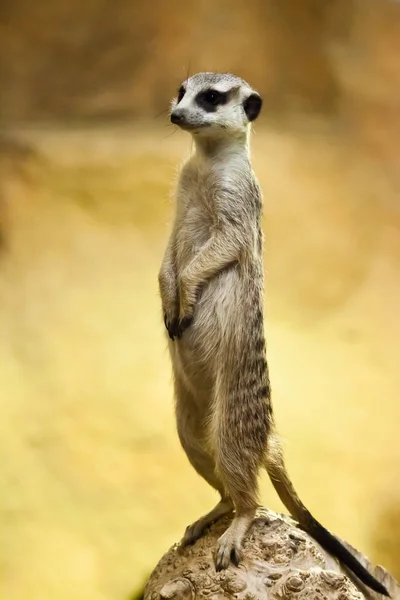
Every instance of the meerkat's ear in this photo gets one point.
(252, 106)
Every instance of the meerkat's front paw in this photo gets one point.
(229, 549)
(183, 324)
(171, 316)
(171, 326)
(177, 325)
(187, 301)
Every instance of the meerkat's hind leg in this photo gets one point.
(241, 431)
(195, 531)
(192, 436)
(240, 480)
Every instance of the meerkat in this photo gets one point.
(211, 287)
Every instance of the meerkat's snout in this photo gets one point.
(178, 116)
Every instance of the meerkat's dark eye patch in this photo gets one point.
(181, 93)
(211, 99)
(252, 106)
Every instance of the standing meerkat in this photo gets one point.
(211, 285)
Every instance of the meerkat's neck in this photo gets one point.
(223, 146)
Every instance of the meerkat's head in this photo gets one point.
(215, 105)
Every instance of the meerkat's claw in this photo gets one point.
(228, 550)
(226, 556)
(172, 327)
(166, 323)
(236, 557)
(193, 532)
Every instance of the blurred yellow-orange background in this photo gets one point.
(94, 484)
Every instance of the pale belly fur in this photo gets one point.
(198, 354)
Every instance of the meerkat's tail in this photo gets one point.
(277, 472)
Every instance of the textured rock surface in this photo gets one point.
(279, 561)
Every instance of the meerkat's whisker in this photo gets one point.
(163, 112)
(172, 133)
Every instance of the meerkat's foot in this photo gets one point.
(229, 545)
(195, 531)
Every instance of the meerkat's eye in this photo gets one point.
(210, 99)
(181, 93)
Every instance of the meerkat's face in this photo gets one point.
(212, 104)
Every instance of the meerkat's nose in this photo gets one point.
(177, 116)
